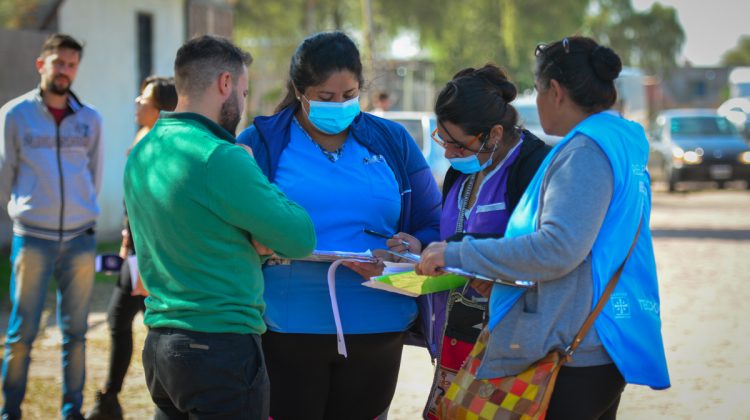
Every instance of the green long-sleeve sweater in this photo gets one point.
(195, 200)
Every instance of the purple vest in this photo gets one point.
(489, 213)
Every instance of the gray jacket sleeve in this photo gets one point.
(576, 193)
(8, 155)
(96, 156)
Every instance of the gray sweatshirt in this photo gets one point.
(574, 199)
(50, 175)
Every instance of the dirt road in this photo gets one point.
(702, 243)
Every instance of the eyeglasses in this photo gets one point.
(444, 144)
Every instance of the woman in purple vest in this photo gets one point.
(492, 161)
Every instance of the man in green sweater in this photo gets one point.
(203, 218)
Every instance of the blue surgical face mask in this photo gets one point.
(470, 164)
(333, 117)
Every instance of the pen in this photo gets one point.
(384, 236)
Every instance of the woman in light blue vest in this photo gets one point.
(569, 233)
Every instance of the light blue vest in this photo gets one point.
(629, 326)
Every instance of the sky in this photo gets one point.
(711, 27)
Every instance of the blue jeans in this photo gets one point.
(34, 261)
(195, 375)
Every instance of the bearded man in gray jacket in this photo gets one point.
(50, 172)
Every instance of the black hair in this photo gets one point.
(164, 92)
(202, 59)
(478, 99)
(56, 42)
(584, 68)
(316, 59)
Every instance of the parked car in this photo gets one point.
(697, 145)
(529, 118)
(421, 125)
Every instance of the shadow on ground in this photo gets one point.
(725, 234)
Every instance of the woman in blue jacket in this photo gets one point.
(351, 171)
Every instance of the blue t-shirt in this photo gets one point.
(356, 191)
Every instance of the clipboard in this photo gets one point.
(414, 258)
(326, 256)
(412, 284)
(331, 256)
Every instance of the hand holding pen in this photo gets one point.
(399, 242)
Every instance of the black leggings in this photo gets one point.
(586, 393)
(310, 380)
(120, 314)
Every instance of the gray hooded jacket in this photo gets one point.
(575, 196)
(51, 174)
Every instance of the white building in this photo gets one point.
(124, 41)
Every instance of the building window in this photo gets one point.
(698, 88)
(145, 33)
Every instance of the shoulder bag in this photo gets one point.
(522, 396)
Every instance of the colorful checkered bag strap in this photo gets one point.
(603, 300)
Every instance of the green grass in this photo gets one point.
(104, 247)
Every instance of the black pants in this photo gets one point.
(310, 380)
(120, 314)
(194, 375)
(586, 393)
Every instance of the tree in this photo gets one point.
(658, 38)
(22, 14)
(739, 55)
(271, 30)
(650, 40)
(474, 32)
(455, 34)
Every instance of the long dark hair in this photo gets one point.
(586, 69)
(478, 99)
(316, 59)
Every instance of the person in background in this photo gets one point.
(492, 161)
(351, 171)
(50, 174)
(570, 232)
(381, 102)
(157, 94)
(204, 217)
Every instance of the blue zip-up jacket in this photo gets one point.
(420, 197)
